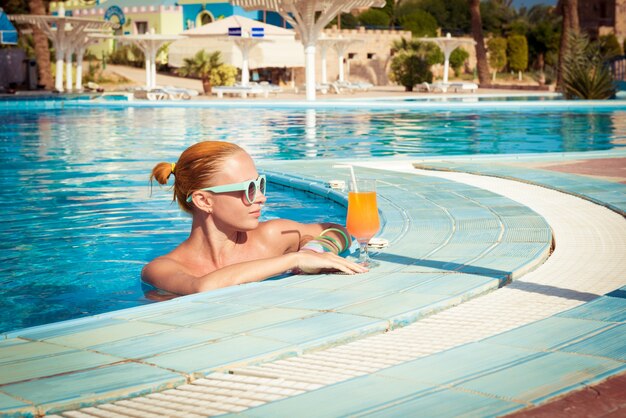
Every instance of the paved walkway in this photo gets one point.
(461, 360)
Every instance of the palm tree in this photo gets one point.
(201, 65)
(477, 33)
(571, 27)
(42, 51)
(585, 76)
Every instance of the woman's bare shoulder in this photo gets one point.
(170, 274)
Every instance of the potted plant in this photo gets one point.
(201, 65)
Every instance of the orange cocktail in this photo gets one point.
(362, 221)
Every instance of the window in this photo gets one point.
(351, 55)
(203, 18)
(141, 27)
(371, 55)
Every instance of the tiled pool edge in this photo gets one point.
(594, 190)
(305, 185)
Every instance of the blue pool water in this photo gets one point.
(79, 221)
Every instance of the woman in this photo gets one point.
(218, 184)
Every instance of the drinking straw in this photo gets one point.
(351, 174)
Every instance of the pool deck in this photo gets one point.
(494, 295)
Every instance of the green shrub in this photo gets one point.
(374, 18)
(411, 63)
(609, 46)
(517, 52)
(348, 21)
(130, 55)
(497, 54)
(409, 69)
(223, 75)
(420, 23)
(585, 75)
(457, 59)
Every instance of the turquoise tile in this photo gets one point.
(62, 328)
(14, 350)
(274, 296)
(65, 362)
(394, 305)
(448, 403)
(11, 407)
(610, 343)
(332, 300)
(458, 364)
(349, 398)
(234, 351)
(195, 313)
(254, 320)
(455, 283)
(605, 308)
(395, 282)
(322, 330)
(543, 377)
(75, 390)
(107, 333)
(548, 334)
(162, 342)
(329, 282)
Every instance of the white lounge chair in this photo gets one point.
(242, 91)
(352, 87)
(444, 87)
(464, 86)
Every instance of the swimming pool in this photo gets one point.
(79, 221)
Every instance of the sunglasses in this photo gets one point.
(250, 188)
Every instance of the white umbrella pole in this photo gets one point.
(58, 81)
(446, 65)
(148, 71)
(309, 56)
(79, 69)
(153, 71)
(340, 62)
(68, 70)
(323, 59)
(245, 71)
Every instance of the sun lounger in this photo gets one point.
(444, 87)
(242, 91)
(464, 86)
(352, 87)
(164, 93)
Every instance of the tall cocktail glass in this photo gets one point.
(362, 221)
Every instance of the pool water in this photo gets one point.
(79, 219)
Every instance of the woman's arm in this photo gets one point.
(291, 235)
(169, 275)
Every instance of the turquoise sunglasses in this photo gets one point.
(250, 188)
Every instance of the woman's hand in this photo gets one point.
(310, 262)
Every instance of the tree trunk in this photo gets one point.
(42, 51)
(481, 53)
(541, 63)
(571, 24)
(206, 86)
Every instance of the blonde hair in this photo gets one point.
(194, 169)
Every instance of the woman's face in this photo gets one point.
(232, 210)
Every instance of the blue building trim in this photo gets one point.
(223, 10)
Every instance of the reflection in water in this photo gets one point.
(310, 136)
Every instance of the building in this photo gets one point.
(365, 60)
(603, 17)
